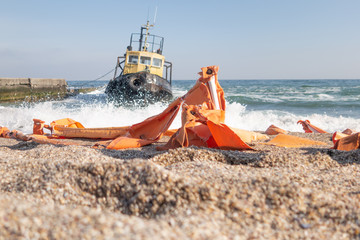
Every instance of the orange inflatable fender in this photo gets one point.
(225, 138)
(349, 131)
(206, 74)
(249, 136)
(283, 140)
(274, 130)
(19, 135)
(338, 135)
(199, 130)
(154, 127)
(67, 122)
(127, 142)
(38, 126)
(43, 139)
(200, 94)
(4, 132)
(93, 133)
(348, 143)
(309, 128)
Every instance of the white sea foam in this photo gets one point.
(325, 97)
(100, 90)
(90, 115)
(237, 116)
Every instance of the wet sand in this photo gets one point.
(73, 192)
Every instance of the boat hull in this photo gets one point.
(141, 87)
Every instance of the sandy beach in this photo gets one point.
(73, 192)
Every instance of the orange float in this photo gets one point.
(283, 140)
(348, 143)
(310, 128)
(274, 130)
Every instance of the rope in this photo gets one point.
(98, 78)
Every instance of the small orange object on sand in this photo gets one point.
(4, 132)
(338, 135)
(274, 130)
(19, 135)
(283, 140)
(309, 128)
(349, 131)
(249, 136)
(38, 126)
(348, 143)
(127, 142)
(67, 122)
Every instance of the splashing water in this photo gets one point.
(250, 104)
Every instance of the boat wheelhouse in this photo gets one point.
(142, 74)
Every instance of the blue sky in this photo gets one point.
(248, 39)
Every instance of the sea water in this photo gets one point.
(332, 105)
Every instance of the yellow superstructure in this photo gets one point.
(138, 61)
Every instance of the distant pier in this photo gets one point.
(31, 89)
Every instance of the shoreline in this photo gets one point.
(78, 192)
(14, 90)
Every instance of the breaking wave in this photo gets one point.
(251, 105)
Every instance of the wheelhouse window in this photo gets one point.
(145, 60)
(157, 62)
(133, 59)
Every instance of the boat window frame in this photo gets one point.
(133, 56)
(147, 57)
(160, 62)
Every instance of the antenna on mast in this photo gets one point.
(148, 13)
(155, 15)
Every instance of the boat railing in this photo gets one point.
(151, 43)
(118, 65)
(168, 71)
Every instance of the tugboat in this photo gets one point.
(141, 79)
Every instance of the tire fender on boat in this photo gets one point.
(136, 82)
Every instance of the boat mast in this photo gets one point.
(147, 27)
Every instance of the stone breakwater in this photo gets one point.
(13, 89)
(58, 192)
